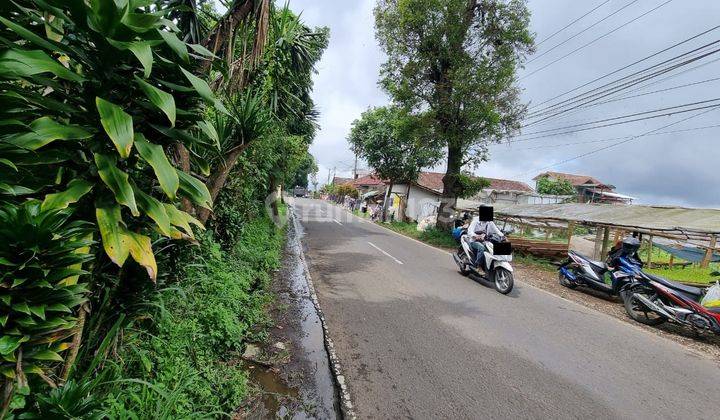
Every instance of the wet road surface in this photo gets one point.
(416, 339)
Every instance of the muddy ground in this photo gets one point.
(290, 371)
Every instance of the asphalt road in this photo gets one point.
(418, 340)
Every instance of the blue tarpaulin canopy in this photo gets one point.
(688, 253)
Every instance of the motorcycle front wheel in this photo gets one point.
(463, 259)
(503, 280)
(565, 282)
(638, 311)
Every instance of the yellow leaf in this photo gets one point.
(114, 241)
(141, 251)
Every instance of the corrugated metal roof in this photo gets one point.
(651, 218)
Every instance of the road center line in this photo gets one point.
(378, 248)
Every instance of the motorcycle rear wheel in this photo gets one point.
(503, 280)
(639, 312)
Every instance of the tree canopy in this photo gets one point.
(393, 144)
(545, 185)
(455, 60)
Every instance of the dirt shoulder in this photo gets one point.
(290, 370)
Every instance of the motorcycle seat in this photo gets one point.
(599, 264)
(596, 264)
(694, 291)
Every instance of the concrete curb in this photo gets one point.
(346, 406)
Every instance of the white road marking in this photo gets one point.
(336, 221)
(378, 248)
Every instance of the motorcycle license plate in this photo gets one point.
(502, 248)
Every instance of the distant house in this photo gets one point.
(588, 189)
(504, 191)
(424, 197)
(340, 180)
(368, 183)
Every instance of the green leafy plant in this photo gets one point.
(95, 93)
(41, 255)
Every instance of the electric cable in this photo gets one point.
(655, 54)
(581, 32)
(596, 39)
(647, 133)
(623, 82)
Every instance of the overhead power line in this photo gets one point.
(550, 146)
(596, 39)
(581, 32)
(636, 114)
(626, 81)
(573, 22)
(623, 98)
(667, 114)
(605, 76)
(627, 140)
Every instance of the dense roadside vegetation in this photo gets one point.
(139, 140)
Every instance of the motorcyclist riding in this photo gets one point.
(481, 229)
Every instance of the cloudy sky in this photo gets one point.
(680, 168)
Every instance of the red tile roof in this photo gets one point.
(367, 180)
(507, 185)
(576, 180)
(431, 180)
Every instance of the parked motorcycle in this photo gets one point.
(653, 300)
(496, 261)
(609, 277)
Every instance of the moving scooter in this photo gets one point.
(495, 263)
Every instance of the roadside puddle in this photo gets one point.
(278, 399)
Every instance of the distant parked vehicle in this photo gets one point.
(609, 277)
(299, 191)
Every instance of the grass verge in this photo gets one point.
(178, 355)
(191, 345)
(692, 274)
(432, 236)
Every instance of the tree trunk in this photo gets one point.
(75, 347)
(217, 181)
(388, 193)
(402, 216)
(8, 389)
(450, 188)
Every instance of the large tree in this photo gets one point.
(392, 143)
(456, 60)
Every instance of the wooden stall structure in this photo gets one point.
(695, 227)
